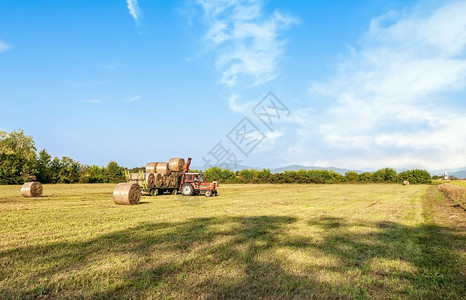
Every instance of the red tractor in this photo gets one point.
(194, 184)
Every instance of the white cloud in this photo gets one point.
(399, 98)
(133, 99)
(239, 107)
(246, 42)
(4, 46)
(134, 10)
(269, 142)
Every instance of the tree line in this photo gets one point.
(386, 175)
(20, 162)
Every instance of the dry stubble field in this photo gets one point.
(252, 241)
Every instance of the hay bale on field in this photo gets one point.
(162, 168)
(406, 182)
(176, 164)
(150, 179)
(32, 189)
(127, 194)
(151, 167)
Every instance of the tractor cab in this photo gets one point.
(194, 178)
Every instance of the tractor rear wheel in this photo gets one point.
(208, 193)
(187, 189)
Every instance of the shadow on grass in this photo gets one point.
(237, 257)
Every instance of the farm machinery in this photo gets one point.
(173, 178)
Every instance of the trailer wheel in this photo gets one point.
(151, 193)
(187, 189)
(159, 192)
(208, 193)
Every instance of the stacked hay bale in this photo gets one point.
(137, 178)
(150, 180)
(164, 174)
(32, 189)
(127, 193)
(175, 166)
(151, 167)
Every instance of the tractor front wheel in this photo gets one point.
(187, 189)
(208, 193)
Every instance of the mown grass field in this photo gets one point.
(252, 241)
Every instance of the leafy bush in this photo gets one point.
(415, 176)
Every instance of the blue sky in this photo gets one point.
(368, 84)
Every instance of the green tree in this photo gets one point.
(415, 176)
(246, 176)
(365, 177)
(265, 176)
(69, 171)
(114, 173)
(17, 157)
(385, 175)
(213, 174)
(44, 161)
(351, 176)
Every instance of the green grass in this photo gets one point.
(454, 182)
(252, 241)
(458, 182)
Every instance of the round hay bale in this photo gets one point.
(32, 189)
(150, 180)
(127, 194)
(162, 168)
(151, 167)
(135, 176)
(406, 182)
(173, 179)
(158, 180)
(165, 180)
(176, 164)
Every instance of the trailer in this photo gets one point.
(189, 184)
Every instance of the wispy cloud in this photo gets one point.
(133, 99)
(95, 101)
(246, 41)
(398, 99)
(4, 46)
(134, 10)
(239, 107)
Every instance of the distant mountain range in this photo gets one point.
(458, 172)
(299, 167)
